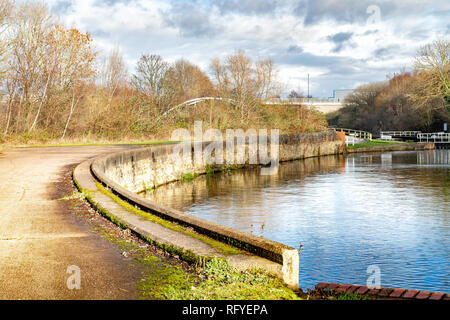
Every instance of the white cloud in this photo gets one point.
(199, 30)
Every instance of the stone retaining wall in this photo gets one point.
(140, 169)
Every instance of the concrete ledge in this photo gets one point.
(260, 246)
(189, 248)
(277, 252)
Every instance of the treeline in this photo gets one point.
(53, 85)
(417, 100)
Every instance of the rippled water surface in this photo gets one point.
(389, 209)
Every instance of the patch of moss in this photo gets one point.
(188, 177)
(223, 282)
(77, 185)
(350, 296)
(159, 279)
(217, 281)
(319, 294)
(148, 188)
(75, 195)
(209, 170)
(163, 281)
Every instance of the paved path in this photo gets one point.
(40, 238)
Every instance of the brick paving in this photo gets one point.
(383, 293)
(409, 294)
(437, 296)
(362, 290)
(397, 293)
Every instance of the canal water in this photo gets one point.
(388, 210)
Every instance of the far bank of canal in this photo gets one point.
(349, 212)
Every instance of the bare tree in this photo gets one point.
(32, 60)
(9, 107)
(150, 73)
(243, 81)
(168, 84)
(114, 74)
(6, 8)
(266, 79)
(433, 61)
(220, 75)
(75, 64)
(192, 82)
(32, 23)
(5, 16)
(45, 63)
(294, 95)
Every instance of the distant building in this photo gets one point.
(339, 95)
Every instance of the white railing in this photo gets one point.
(352, 140)
(400, 133)
(355, 133)
(436, 137)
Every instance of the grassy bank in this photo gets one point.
(15, 142)
(372, 143)
(115, 127)
(80, 144)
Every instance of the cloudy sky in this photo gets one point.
(340, 43)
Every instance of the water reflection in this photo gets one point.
(388, 209)
(430, 157)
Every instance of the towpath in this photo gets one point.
(40, 237)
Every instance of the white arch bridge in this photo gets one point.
(192, 102)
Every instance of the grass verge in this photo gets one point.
(372, 143)
(82, 144)
(219, 281)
